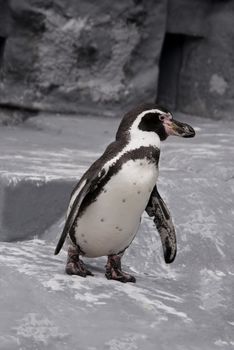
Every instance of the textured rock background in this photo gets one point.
(206, 84)
(63, 55)
(71, 56)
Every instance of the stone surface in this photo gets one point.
(5, 18)
(63, 56)
(206, 87)
(30, 206)
(38, 172)
(185, 305)
(188, 17)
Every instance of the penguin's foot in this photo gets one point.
(114, 271)
(75, 266)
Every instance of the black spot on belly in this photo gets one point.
(138, 192)
(123, 200)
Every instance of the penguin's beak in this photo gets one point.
(173, 127)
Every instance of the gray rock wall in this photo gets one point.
(68, 56)
(63, 55)
(188, 17)
(206, 80)
(5, 18)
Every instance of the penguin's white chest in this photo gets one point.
(109, 224)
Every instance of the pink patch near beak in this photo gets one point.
(173, 127)
(168, 125)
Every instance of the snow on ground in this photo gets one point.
(186, 305)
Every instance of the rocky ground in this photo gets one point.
(186, 305)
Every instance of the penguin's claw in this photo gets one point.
(119, 276)
(114, 271)
(77, 268)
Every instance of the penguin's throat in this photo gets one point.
(145, 139)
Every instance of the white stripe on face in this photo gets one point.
(138, 138)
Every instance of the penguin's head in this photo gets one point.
(151, 118)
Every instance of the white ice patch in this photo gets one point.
(129, 341)
(56, 283)
(211, 284)
(224, 343)
(46, 165)
(39, 329)
(90, 298)
(138, 294)
(9, 342)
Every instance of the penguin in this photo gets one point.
(106, 205)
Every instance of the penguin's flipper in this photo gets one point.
(89, 186)
(156, 207)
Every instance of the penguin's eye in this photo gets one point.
(162, 117)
